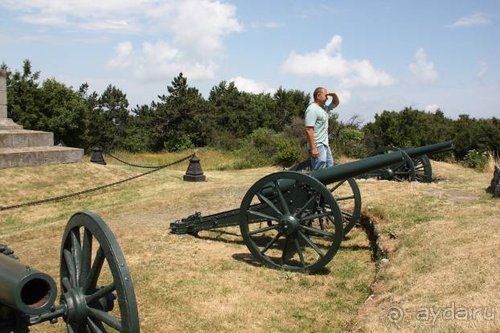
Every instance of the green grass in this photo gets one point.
(436, 234)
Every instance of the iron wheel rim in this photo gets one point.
(88, 246)
(293, 238)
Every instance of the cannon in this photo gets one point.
(415, 167)
(290, 220)
(93, 275)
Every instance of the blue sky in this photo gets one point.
(378, 55)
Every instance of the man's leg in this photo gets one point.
(329, 158)
(320, 161)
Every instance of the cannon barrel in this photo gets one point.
(345, 171)
(429, 149)
(356, 168)
(25, 289)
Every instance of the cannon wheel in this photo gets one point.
(93, 274)
(345, 192)
(423, 169)
(403, 171)
(304, 224)
(406, 169)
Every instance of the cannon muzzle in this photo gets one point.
(25, 289)
(429, 149)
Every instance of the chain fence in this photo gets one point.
(65, 196)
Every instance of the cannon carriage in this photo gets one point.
(290, 220)
(296, 220)
(93, 276)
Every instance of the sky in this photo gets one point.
(377, 55)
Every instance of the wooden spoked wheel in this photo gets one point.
(93, 276)
(423, 169)
(345, 192)
(291, 221)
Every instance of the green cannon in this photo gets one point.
(416, 165)
(93, 275)
(290, 220)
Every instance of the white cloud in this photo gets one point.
(472, 20)
(123, 57)
(483, 69)
(265, 25)
(111, 26)
(199, 25)
(431, 108)
(105, 15)
(251, 86)
(192, 31)
(344, 96)
(44, 19)
(195, 28)
(329, 62)
(423, 68)
(159, 61)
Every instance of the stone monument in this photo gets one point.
(21, 147)
(5, 122)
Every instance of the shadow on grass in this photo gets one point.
(249, 259)
(218, 235)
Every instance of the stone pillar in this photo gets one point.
(5, 122)
(3, 94)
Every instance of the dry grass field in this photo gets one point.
(442, 242)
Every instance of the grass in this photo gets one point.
(442, 239)
(443, 254)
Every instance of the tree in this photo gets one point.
(290, 104)
(51, 107)
(22, 97)
(180, 117)
(139, 136)
(63, 113)
(471, 134)
(406, 128)
(112, 109)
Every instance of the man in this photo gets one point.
(316, 121)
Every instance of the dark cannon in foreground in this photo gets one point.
(93, 275)
(416, 165)
(291, 220)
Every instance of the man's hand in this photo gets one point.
(335, 98)
(314, 152)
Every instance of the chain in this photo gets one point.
(137, 165)
(65, 196)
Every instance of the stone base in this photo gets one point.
(9, 124)
(30, 156)
(25, 138)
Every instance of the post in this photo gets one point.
(97, 156)
(194, 173)
(3, 94)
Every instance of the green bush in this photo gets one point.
(476, 160)
(288, 150)
(265, 147)
(225, 140)
(178, 143)
(350, 143)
